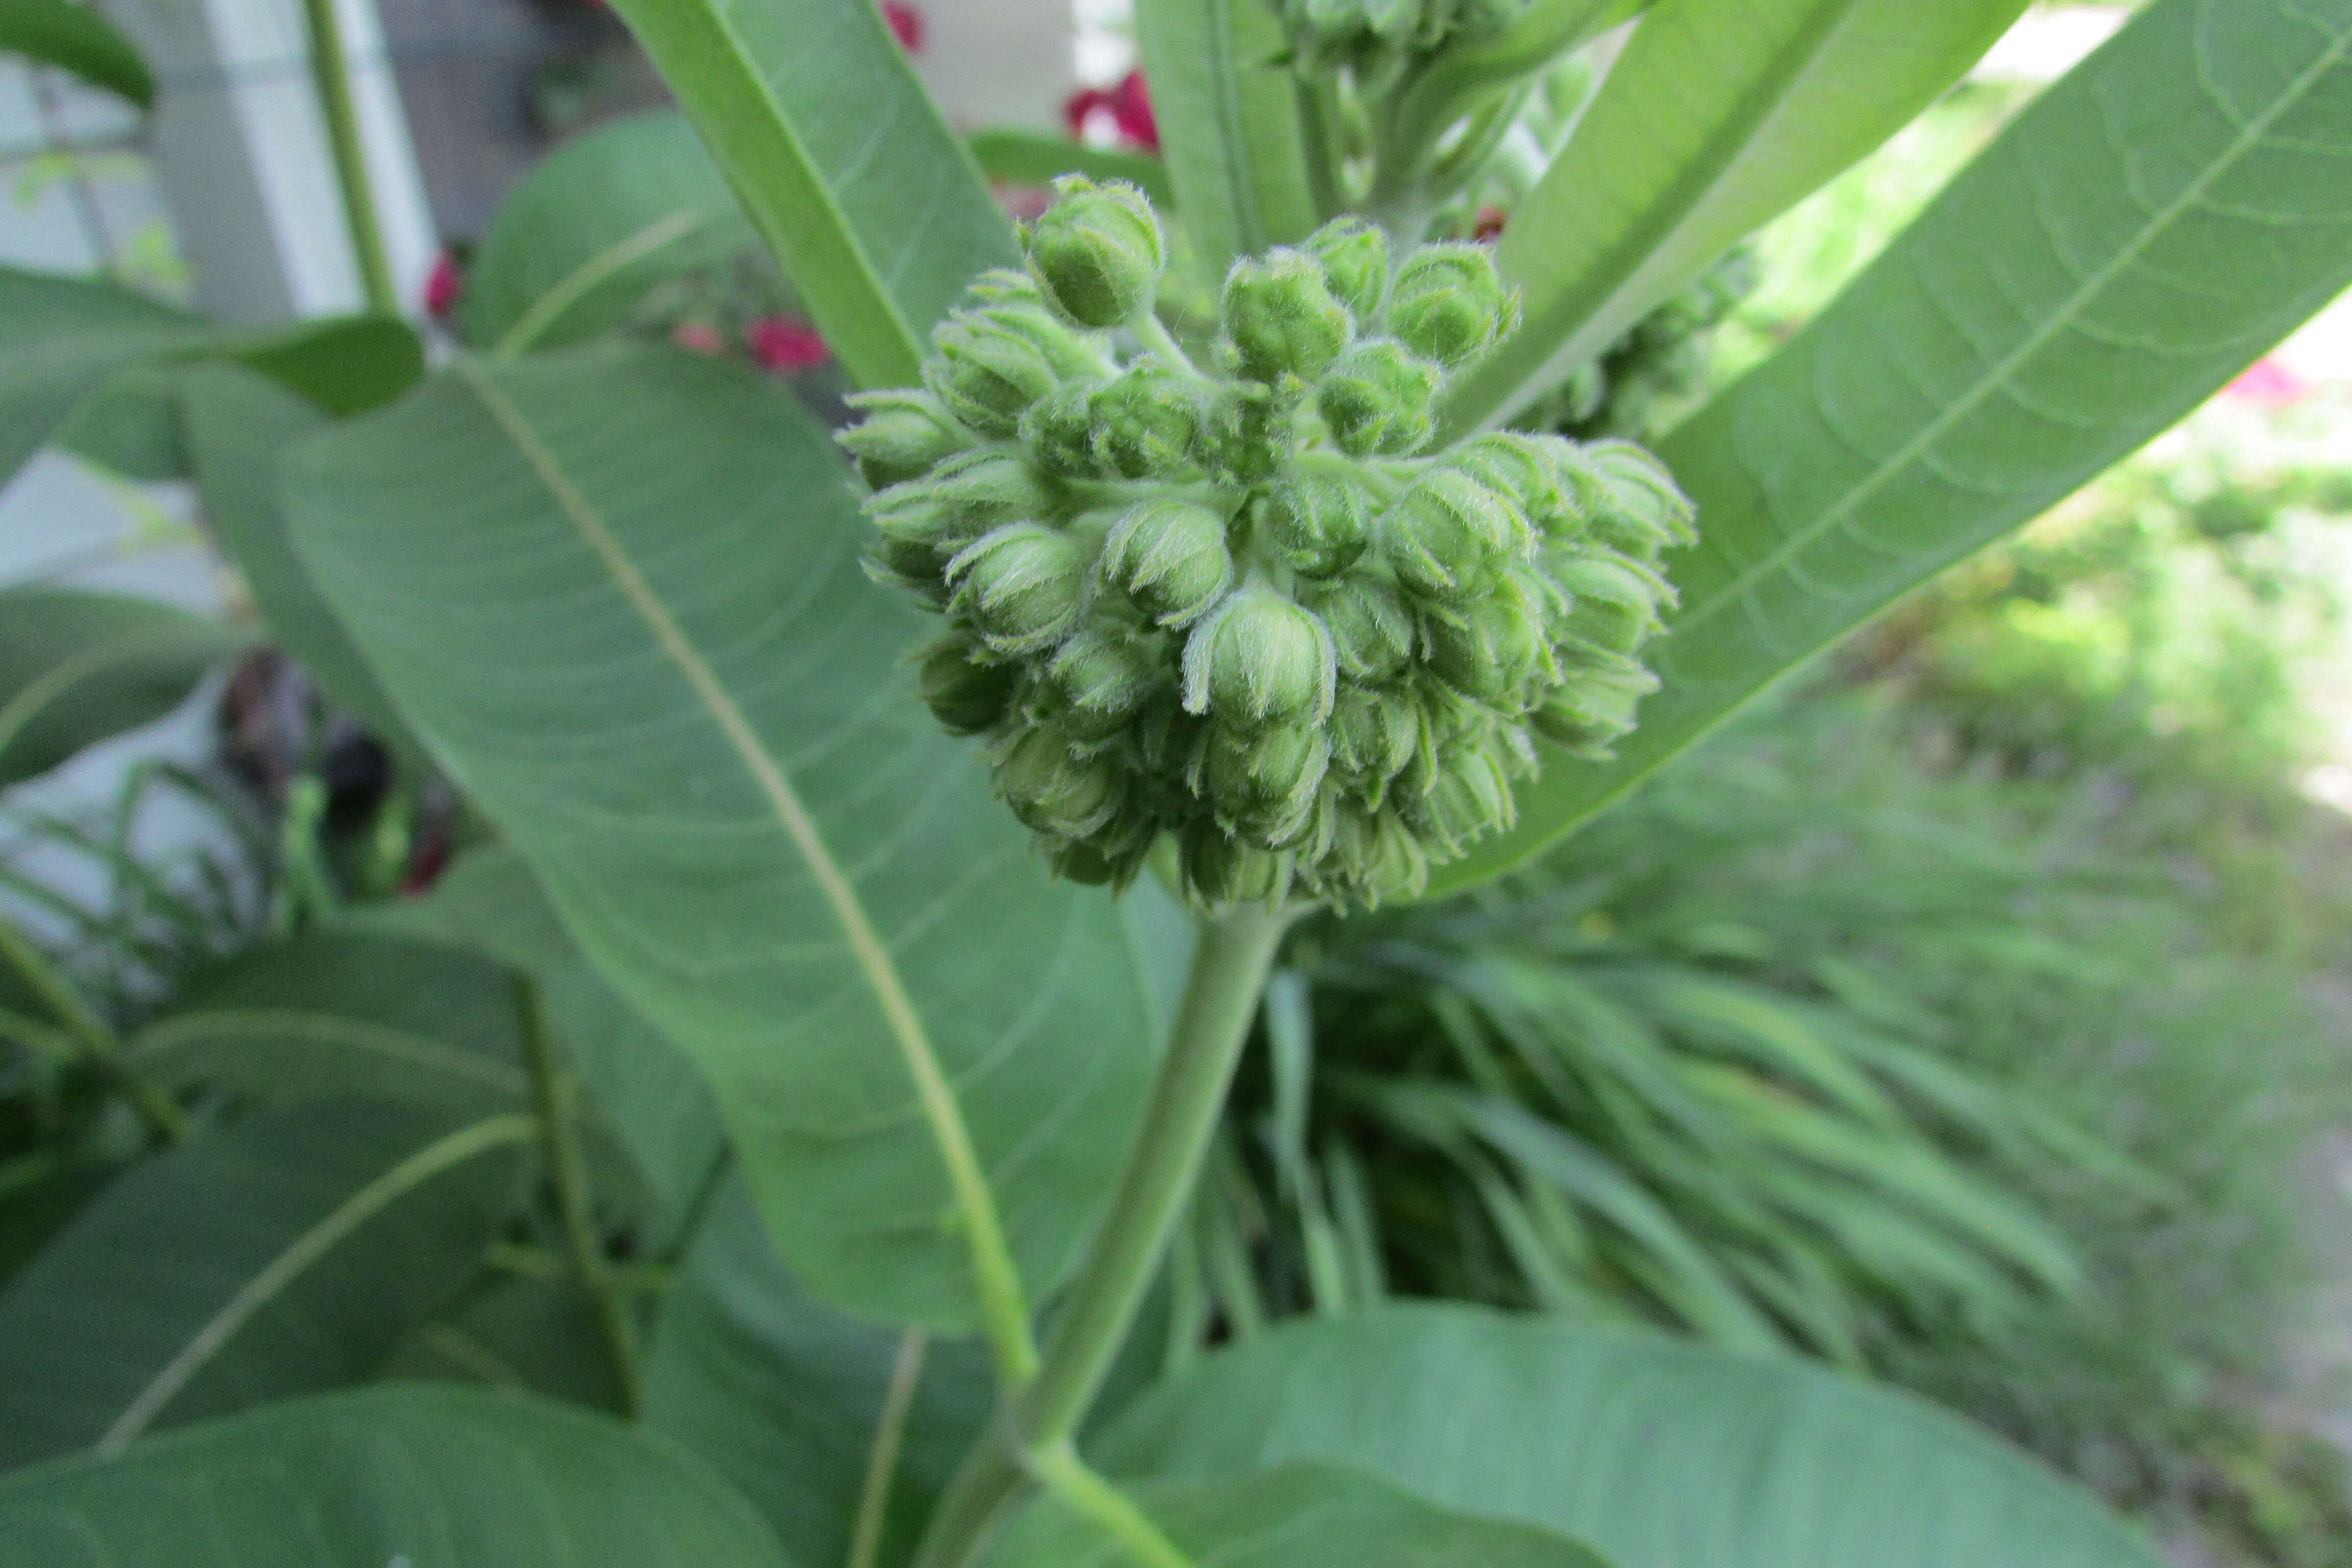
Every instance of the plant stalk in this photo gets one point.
(1230, 963)
(99, 1044)
(331, 70)
(554, 1093)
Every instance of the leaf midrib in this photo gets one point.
(2250, 136)
(574, 286)
(938, 1098)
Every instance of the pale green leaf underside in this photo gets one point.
(618, 591)
(871, 204)
(428, 1477)
(1651, 1451)
(1229, 126)
(1716, 119)
(1297, 1516)
(2156, 220)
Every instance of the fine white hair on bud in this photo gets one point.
(1222, 592)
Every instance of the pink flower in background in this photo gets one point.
(700, 336)
(2267, 383)
(785, 344)
(443, 287)
(1126, 109)
(1489, 226)
(906, 24)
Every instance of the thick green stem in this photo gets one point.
(98, 1045)
(554, 1093)
(1228, 973)
(330, 68)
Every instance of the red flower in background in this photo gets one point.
(2267, 383)
(785, 344)
(443, 287)
(1127, 108)
(905, 25)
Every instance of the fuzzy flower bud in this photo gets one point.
(1020, 586)
(1148, 423)
(1170, 557)
(967, 695)
(1054, 789)
(903, 435)
(1103, 674)
(987, 371)
(1280, 317)
(1638, 507)
(1588, 716)
(1614, 601)
(1448, 305)
(1318, 522)
(1489, 648)
(1354, 257)
(1371, 631)
(1263, 783)
(1058, 433)
(1468, 796)
(1097, 252)
(1373, 737)
(1377, 398)
(982, 488)
(1445, 535)
(1260, 659)
(1223, 871)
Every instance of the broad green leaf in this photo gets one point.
(2154, 222)
(236, 426)
(419, 1477)
(593, 228)
(286, 1253)
(132, 426)
(781, 1393)
(76, 36)
(62, 339)
(1229, 125)
(870, 201)
(1716, 119)
(648, 1091)
(78, 668)
(617, 589)
(1019, 157)
(1650, 1450)
(346, 1013)
(346, 365)
(1298, 1515)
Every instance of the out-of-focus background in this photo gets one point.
(2061, 850)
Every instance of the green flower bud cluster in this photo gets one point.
(1241, 607)
(1361, 33)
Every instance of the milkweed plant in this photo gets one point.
(890, 831)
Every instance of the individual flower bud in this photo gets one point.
(1638, 508)
(1022, 586)
(902, 436)
(1509, 463)
(1371, 631)
(1373, 738)
(1280, 317)
(1170, 557)
(1221, 871)
(1378, 857)
(1614, 601)
(1097, 252)
(988, 487)
(1354, 257)
(1248, 433)
(966, 692)
(1110, 858)
(1260, 659)
(1593, 709)
(1004, 286)
(987, 374)
(915, 538)
(1102, 674)
(1448, 305)
(1055, 788)
(1262, 782)
(1467, 797)
(1448, 532)
(1318, 522)
(1148, 423)
(1489, 648)
(1058, 433)
(1377, 398)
